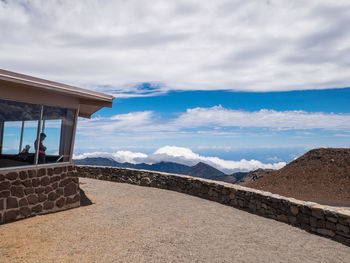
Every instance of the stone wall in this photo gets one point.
(29, 192)
(323, 220)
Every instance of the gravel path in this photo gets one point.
(128, 223)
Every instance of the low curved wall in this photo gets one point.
(27, 192)
(322, 220)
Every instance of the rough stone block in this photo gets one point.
(76, 198)
(23, 202)
(145, 181)
(325, 232)
(11, 176)
(252, 206)
(344, 221)
(17, 191)
(25, 211)
(342, 239)
(53, 196)
(330, 226)
(32, 173)
(48, 189)
(11, 215)
(292, 220)
(318, 213)
(69, 201)
(35, 182)
(54, 179)
(1, 204)
(41, 172)
(2, 177)
(48, 205)
(50, 171)
(42, 197)
(17, 182)
(60, 202)
(57, 170)
(64, 182)
(303, 219)
(39, 190)
(332, 219)
(45, 181)
(29, 190)
(70, 189)
(305, 210)
(11, 202)
(37, 208)
(321, 224)
(54, 186)
(4, 194)
(27, 183)
(5, 186)
(342, 228)
(23, 175)
(282, 218)
(32, 199)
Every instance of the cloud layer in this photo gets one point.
(138, 48)
(185, 156)
(215, 119)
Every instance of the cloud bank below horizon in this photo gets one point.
(184, 156)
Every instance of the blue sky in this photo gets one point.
(236, 84)
(293, 123)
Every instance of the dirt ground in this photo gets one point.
(128, 223)
(320, 175)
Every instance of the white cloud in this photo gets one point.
(222, 117)
(212, 119)
(112, 46)
(119, 156)
(122, 122)
(185, 156)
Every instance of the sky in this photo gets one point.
(239, 85)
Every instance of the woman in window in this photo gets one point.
(42, 148)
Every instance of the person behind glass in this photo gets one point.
(42, 148)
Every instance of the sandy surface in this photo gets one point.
(127, 223)
(320, 175)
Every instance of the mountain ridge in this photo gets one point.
(201, 169)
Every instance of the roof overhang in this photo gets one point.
(25, 88)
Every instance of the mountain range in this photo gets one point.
(201, 170)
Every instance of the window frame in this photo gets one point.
(39, 128)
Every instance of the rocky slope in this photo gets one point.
(320, 175)
(254, 175)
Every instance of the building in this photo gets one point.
(40, 114)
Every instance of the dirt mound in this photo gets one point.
(320, 175)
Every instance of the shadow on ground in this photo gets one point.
(84, 200)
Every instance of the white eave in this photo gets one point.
(89, 101)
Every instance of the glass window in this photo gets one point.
(18, 127)
(57, 125)
(12, 137)
(20, 138)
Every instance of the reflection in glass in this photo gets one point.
(58, 124)
(18, 128)
(19, 123)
